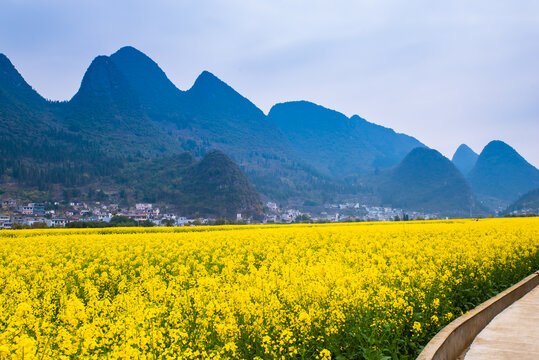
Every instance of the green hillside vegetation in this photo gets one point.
(213, 186)
(212, 115)
(127, 109)
(35, 150)
(103, 139)
(129, 121)
(107, 110)
(216, 186)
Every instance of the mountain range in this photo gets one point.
(127, 117)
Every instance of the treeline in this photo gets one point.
(521, 215)
(116, 221)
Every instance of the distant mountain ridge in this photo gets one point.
(146, 78)
(464, 159)
(501, 173)
(427, 181)
(127, 115)
(338, 145)
(19, 103)
(212, 115)
(115, 118)
(13, 86)
(103, 81)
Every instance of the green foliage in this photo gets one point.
(122, 221)
(87, 224)
(220, 221)
(36, 225)
(116, 221)
(303, 218)
(167, 222)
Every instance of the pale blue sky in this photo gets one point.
(447, 73)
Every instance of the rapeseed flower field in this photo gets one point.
(333, 291)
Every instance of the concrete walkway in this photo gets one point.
(512, 334)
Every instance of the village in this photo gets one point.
(345, 212)
(17, 214)
(58, 214)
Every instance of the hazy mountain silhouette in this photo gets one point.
(146, 78)
(117, 116)
(13, 88)
(464, 159)
(212, 115)
(104, 84)
(427, 181)
(338, 145)
(501, 173)
(21, 107)
(36, 149)
(108, 110)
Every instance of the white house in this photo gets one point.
(143, 207)
(32, 221)
(272, 206)
(56, 222)
(5, 225)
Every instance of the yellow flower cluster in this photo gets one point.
(333, 291)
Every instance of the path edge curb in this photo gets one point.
(455, 338)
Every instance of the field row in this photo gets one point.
(334, 291)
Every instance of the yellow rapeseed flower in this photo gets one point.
(245, 292)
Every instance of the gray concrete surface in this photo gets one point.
(452, 342)
(512, 335)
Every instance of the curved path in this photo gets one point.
(512, 334)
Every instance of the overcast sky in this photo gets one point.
(448, 73)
